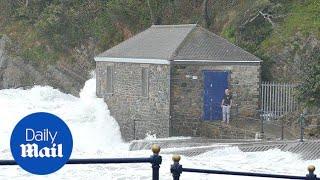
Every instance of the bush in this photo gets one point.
(309, 90)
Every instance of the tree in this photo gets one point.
(157, 9)
(205, 14)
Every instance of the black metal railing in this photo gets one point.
(154, 159)
(177, 169)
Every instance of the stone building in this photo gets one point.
(169, 80)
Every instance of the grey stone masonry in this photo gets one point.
(136, 113)
(187, 94)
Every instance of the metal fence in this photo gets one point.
(278, 99)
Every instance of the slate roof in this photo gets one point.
(178, 42)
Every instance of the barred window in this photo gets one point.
(145, 82)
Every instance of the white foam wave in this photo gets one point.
(88, 117)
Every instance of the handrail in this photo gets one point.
(177, 169)
(94, 161)
(154, 159)
(240, 173)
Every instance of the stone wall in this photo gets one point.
(137, 115)
(187, 94)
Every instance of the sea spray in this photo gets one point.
(88, 117)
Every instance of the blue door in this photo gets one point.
(215, 82)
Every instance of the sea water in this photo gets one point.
(96, 135)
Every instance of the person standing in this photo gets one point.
(226, 104)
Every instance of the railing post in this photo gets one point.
(311, 175)
(176, 168)
(237, 112)
(261, 124)
(156, 161)
(134, 129)
(301, 119)
(282, 128)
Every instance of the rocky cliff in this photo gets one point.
(17, 72)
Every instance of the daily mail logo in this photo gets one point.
(32, 150)
(41, 143)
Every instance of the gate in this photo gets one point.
(277, 99)
(215, 82)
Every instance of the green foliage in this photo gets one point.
(40, 55)
(229, 33)
(254, 33)
(52, 26)
(266, 66)
(64, 25)
(130, 13)
(309, 90)
(29, 12)
(302, 17)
